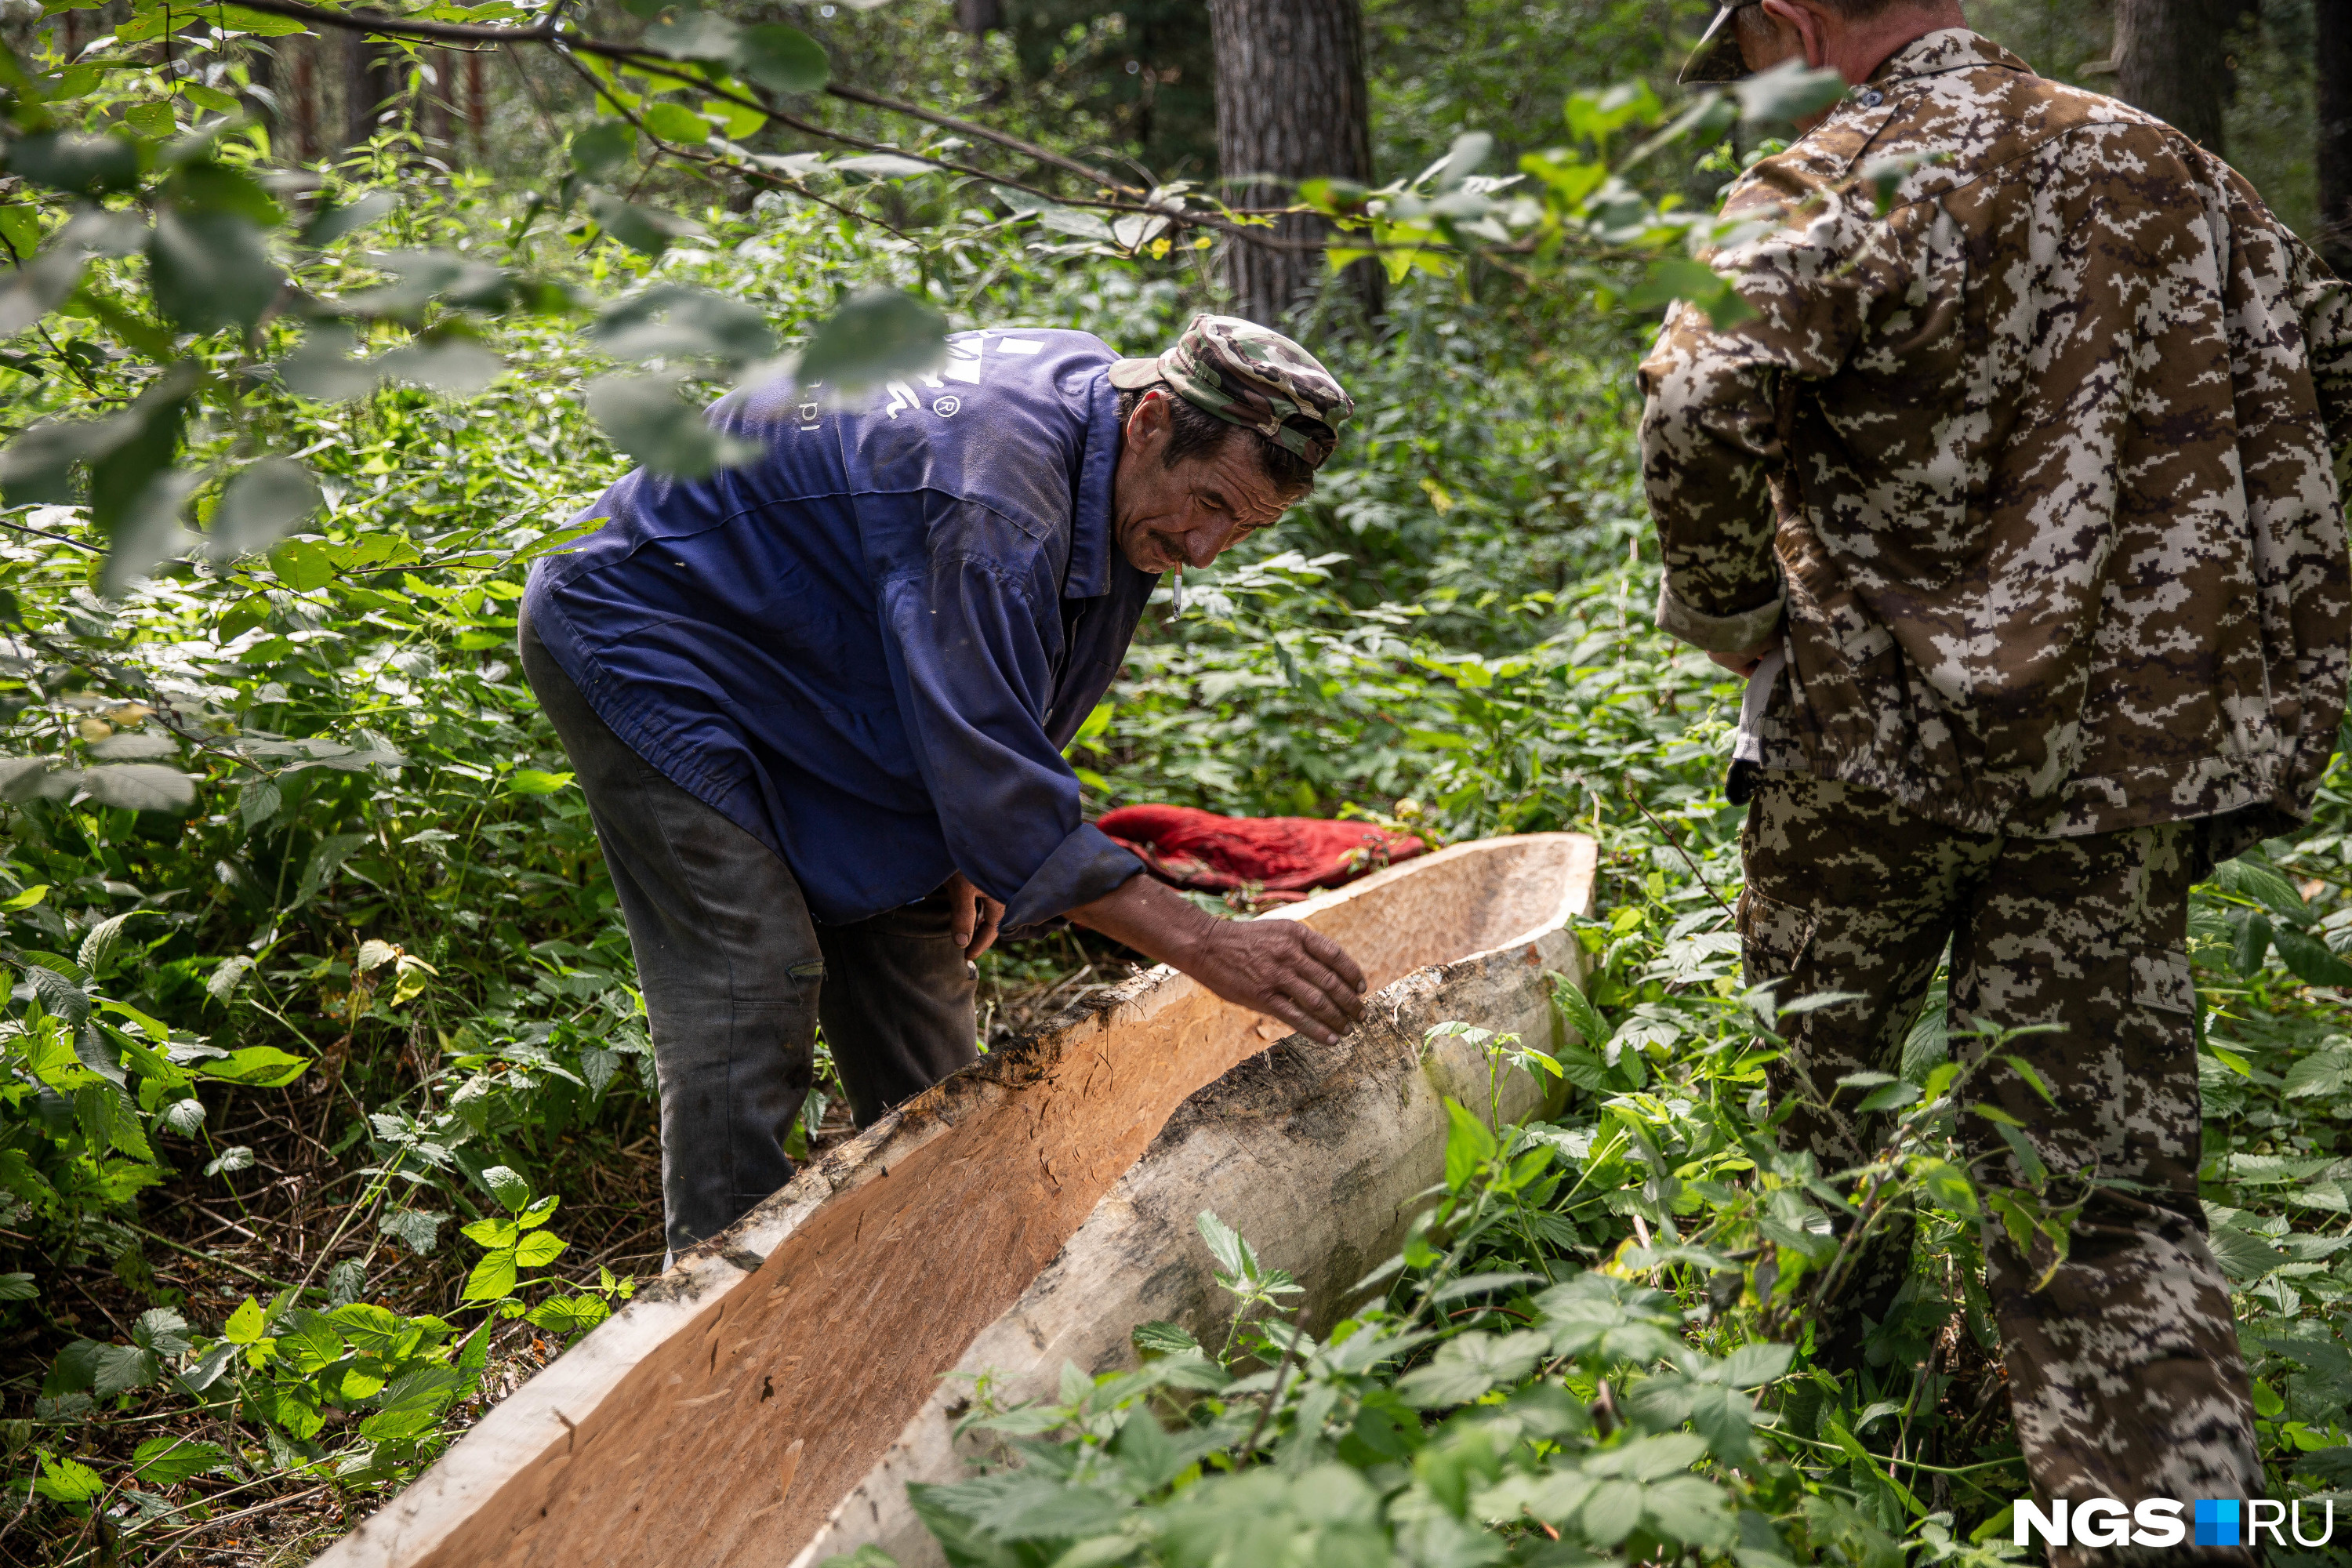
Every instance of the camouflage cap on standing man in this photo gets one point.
(1250, 376)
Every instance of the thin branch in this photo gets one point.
(1675, 844)
(641, 59)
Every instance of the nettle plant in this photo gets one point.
(1590, 1348)
(350, 1390)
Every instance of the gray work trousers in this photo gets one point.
(737, 976)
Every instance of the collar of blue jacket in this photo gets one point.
(868, 645)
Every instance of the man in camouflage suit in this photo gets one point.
(817, 703)
(2017, 503)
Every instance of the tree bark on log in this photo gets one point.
(1291, 105)
(2334, 139)
(2172, 60)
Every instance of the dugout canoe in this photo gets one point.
(765, 1401)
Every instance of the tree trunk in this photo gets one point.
(368, 82)
(2335, 148)
(477, 107)
(2172, 58)
(1291, 105)
(306, 96)
(978, 16)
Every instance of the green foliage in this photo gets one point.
(307, 924)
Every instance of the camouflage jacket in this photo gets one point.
(2032, 474)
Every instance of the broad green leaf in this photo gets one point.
(598, 151)
(415, 1229)
(876, 335)
(492, 1233)
(76, 163)
(69, 1482)
(671, 321)
(144, 530)
(262, 1067)
(167, 1461)
(493, 1279)
(781, 60)
(646, 229)
(1753, 1365)
(246, 1324)
(539, 1249)
(509, 1188)
(210, 269)
(1468, 1365)
(1582, 1017)
(302, 565)
(139, 786)
(1162, 1338)
(1468, 1144)
(569, 1315)
(644, 416)
(672, 123)
(1233, 1253)
(2310, 959)
(449, 361)
(1789, 91)
(28, 899)
(18, 1287)
(2326, 1072)
(35, 286)
(694, 35)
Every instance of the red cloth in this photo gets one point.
(1216, 854)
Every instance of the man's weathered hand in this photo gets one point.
(976, 917)
(1284, 968)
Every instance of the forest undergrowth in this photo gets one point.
(327, 1112)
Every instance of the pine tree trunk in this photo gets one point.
(477, 107)
(1291, 105)
(368, 82)
(2334, 140)
(306, 96)
(2172, 58)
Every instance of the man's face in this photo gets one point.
(1189, 515)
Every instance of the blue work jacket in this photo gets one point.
(868, 646)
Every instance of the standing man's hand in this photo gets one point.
(1743, 664)
(1284, 968)
(976, 917)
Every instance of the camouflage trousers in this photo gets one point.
(2124, 1371)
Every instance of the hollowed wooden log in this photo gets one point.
(766, 1399)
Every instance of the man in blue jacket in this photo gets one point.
(817, 705)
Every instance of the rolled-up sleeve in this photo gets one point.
(974, 681)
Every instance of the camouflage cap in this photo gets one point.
(1716, 56)
(1248, 375)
